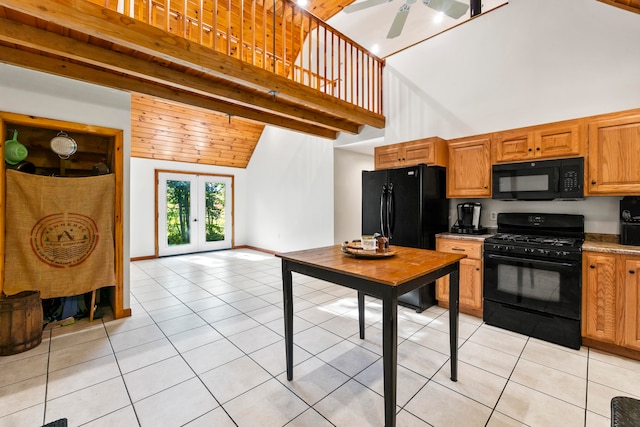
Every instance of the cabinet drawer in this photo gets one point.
(471, 249)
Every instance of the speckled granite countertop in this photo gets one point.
(610, 248)
(471, 237)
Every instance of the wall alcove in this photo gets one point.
(95, 146)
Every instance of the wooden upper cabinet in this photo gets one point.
(614, 154)
(430, 151)
(388, 156)
(469, 172)
(511, 146)
(554, 140)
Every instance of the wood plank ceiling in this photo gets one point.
(84, 41)
(630, 5)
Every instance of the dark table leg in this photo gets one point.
(454, 303)
(390, 357)
(287, 289)
(361, 313)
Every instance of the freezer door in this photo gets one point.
(374, 186)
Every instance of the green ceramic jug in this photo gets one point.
(14, 151)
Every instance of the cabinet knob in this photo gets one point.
(632, 272)
(592, 266)
(593, 183)
(530, 149)
(477, 269)
(537, 148)
(486, 187)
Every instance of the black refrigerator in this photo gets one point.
(409, 206)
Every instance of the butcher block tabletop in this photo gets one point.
(405, 265)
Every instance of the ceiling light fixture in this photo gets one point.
(438, 18)
(302, 3)
(375, 49)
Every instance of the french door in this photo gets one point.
(194, 213)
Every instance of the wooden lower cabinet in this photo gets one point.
(611, 302)
(471, 274)
(632, 303)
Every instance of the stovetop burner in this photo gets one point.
(551, 236)
(536, 241)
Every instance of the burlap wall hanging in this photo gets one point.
(59, 237)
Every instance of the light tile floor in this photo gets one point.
(204, 347)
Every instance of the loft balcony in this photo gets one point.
(271, 63)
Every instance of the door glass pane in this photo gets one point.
(215, 200)
(178, 212)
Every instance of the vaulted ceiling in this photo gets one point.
(86, 41)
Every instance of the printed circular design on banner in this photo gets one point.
(64, 240)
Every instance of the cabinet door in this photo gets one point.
(510, 146)
(632, 302)
(471, 292)
(470, 276)
(417, 152)
(614, 155)
(469, 173)
(388, 156)
(564, 139)
(601, 302)
(442, 290)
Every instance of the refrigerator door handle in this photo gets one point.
(389, 210)
(382, 205)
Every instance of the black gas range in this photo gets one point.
(532, 279)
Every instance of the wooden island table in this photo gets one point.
(386, 278)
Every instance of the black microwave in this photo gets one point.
(544, 180)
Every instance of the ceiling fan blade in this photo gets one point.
(399, 21)
(452, 8)
(354, 7)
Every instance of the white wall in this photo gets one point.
(143, 203)
(347, 175)
(290, 192)
(526, 63)
(33, 93)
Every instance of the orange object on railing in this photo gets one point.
(282, 38)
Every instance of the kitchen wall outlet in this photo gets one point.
(493, 216)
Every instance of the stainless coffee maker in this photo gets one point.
(468, 221)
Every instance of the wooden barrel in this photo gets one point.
(20, 322)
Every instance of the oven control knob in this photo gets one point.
(543, 251)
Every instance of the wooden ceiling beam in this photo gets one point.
(91, 75)
(31, 37)
(94, 20)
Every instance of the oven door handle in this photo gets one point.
(532, 261)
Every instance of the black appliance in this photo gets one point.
(630, 221)
(533, 276)
(408, 206)
(544, 180)
(468, 221)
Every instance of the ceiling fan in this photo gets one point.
(452, 8)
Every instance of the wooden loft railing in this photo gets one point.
(279, 37)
